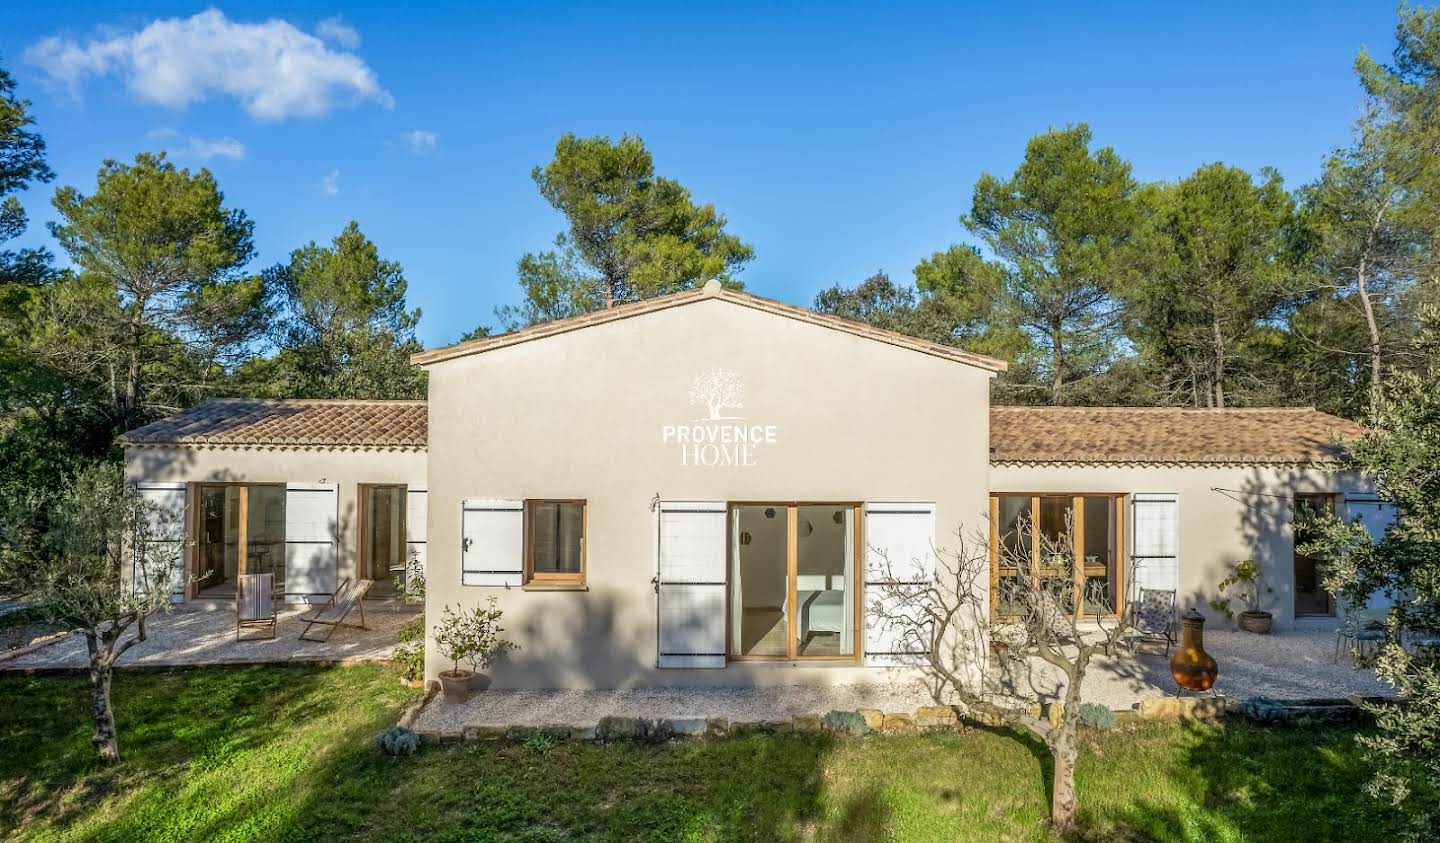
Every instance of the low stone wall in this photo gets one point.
(862, 721)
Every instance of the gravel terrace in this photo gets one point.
(189, 637)
(1291, 665)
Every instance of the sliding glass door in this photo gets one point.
(1026, 528)
(793, 570)
(240, 530)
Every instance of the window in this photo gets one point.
(1023, 526)
(555, 542)
(240, 530)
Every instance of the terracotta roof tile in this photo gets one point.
(292, 423)
(1165, 435)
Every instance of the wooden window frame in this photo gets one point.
(792, 562)
(1077, 538)
(539, 580)
(242, 534)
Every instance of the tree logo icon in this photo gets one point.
(719, 391)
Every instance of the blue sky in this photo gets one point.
(838, 138)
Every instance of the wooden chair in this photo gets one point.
(333, 612)
(255, 604)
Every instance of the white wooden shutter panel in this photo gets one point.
(690, 586)
(492, 543)
(311, 539)
(166, 535)
(1155, 543)
(899, 572)
(416, 511)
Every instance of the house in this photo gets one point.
(698, 489)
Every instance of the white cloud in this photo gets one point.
(335, 29)
(330, 185)
(420, 141)
(192, 147)
(213, 148)
(273, 69)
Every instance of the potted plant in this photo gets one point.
(1244, 584)
(472, 636)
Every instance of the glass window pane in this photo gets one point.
(1015, 528)
(386, 542)
(824, 597)
(1101, 575)
(759, 581)
(1055, 527)
(265, 545)
(556, 537)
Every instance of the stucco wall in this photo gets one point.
(346, 468)
(1227, 513)
(580, 415)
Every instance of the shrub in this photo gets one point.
(410, 648)
(1097, 716)
(848, 722)
(473, 636)
(1265, 710)
(397, 741)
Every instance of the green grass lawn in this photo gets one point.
(285, 754)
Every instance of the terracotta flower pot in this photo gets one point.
(455, 685)
(1256, 622)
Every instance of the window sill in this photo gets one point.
(555, 586)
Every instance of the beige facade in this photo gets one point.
(343, 469)
(1227, 513)
(596, 414)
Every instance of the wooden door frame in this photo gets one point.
(362, 553)
(792, 561)
(242, 528)
(1331, 501)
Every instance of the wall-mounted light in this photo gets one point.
(805, 528)
(769, 512)
(745, 539)
(839, 516)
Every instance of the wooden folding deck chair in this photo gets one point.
(255, 604)
(332, 613)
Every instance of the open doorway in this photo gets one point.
(382, 537)
(793, 575)
(1311, 598)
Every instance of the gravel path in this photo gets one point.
(208, 637)
(1293, 665)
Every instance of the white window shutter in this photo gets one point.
(899, 571)
(1377, 515)
(416, 511)
(492, 543)
(690, 586)
(167, 533)
(311, 540)
(1155, 542)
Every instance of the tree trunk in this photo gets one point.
(1057, 361)
(1363, 291)
(130, 399)
(1064, 805)
(101, 672)
(1219, 372)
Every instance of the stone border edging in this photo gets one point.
(33, 646)
(932, 718)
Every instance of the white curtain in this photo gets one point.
(848, 582)
(737, 604)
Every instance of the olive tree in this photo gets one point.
(97, 561)
(994, 667)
